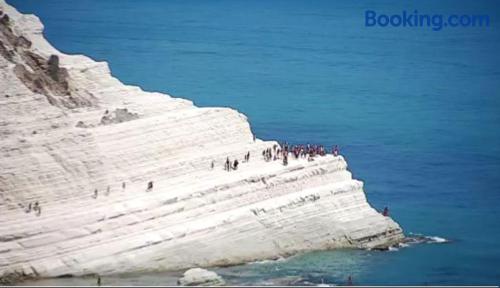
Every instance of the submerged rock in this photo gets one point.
(200, 277)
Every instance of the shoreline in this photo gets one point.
(97, 134)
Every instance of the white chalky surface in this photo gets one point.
(194, 216)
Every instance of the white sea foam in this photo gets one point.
(419, 238)
(267, 261)
(436, 239)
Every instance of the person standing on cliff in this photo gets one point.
(335, 151)
(29, 208)
(349, 281)
(386, 211)
(37, 209)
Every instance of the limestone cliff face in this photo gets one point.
(67, 127)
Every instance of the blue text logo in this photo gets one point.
(435, 21)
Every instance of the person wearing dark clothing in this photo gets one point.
(150, 186)
(29, 208)
(349, 281)
(386, 212)
(336, 151)
(228, 164)
(37, 209)
(235, 165)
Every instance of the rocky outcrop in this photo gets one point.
(118, 116)
(87, 173)
(200, 277)
(13, 278)
(40, 74)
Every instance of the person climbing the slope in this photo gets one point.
(37, 209)
(150, 186)
(29, 208)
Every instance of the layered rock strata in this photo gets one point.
(84, 147)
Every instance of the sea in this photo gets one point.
(416, 113)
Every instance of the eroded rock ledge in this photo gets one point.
(84, 147)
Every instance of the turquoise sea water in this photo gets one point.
(415, 112)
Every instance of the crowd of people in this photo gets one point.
(307, 151)
(282, 152)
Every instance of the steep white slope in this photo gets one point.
(64, 132)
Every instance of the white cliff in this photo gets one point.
(58, 144)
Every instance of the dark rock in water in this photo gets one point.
(287, 281)
(417, 239)
(381, 248)
(66, 276)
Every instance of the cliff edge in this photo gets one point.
(79, 150)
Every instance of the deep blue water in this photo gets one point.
(416, 112)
